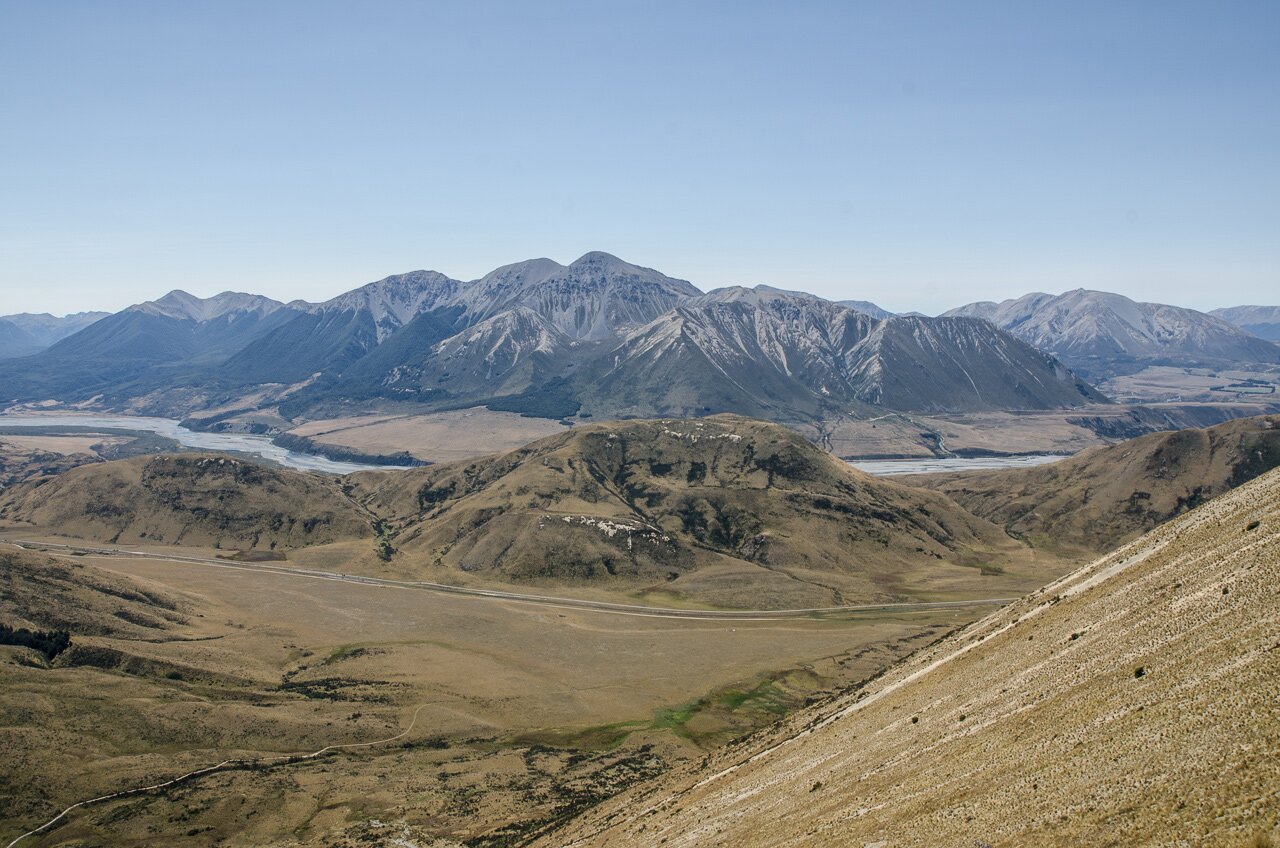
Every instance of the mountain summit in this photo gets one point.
(1099, 333)
(600, 336)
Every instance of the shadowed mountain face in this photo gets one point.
(599, 336)
(26, 333)
(1101, 334)
(171, 342)
(1041, 724)
(1107, 496)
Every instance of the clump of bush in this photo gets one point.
(50, 643)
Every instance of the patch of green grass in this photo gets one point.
(765, 697)
(675, 718)
(600, 737)
(345, 652)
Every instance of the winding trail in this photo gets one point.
(518, 597)
(225, 765)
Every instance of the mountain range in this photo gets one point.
(1100, 334)
(1262, 321)
(601, 337)
(27, 333)
(598, 337)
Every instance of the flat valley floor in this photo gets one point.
(520, 713)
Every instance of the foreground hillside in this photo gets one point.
(1131, 702)
(1107, 496)
(725, 508)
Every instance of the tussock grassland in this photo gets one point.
(1107, 496)
(526, 713)
(1129, 703)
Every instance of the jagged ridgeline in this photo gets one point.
(598, 337)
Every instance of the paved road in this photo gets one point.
(517, 597)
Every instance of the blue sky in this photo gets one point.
(920, 155)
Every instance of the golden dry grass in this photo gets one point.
(436, 437)
(1129, 703)
(1107, 496)
(523, 709)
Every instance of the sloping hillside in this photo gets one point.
(39, 592)
(682, 504)
(189, 499)
(1129, 703)
(1106, 496)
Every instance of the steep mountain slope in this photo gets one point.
(27, 333)
(191, 499)
(600, 337)
(755, 351)
(1106, 496)
(1129, 703)
(332, 335)
(593, 298)
(42, 593)
(1099, 333)
(501, 355)
(15, 341)
(660, 500)
(1262, 321)
(947, 364)
(783, 354)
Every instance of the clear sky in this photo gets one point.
(920, 155)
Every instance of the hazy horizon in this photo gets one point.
(919, 155)
(315, 300)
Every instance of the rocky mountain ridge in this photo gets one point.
(600, 337)
(1101, 334)
(1262, 321)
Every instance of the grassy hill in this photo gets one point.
(723, 508)
(1109, 495)
(1129, 703)
(189, 499)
